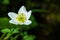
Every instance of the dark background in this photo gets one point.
(48, 18)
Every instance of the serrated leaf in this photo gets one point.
(5, 30)
(29, 37)
(16, 30)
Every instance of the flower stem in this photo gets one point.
(7, 37)
(2, 36)
(17, 35)
(9, 34)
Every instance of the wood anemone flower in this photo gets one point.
(22, 18)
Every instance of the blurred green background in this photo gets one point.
(45, 17)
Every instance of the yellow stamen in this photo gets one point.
(21, 17)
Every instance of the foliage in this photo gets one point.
(50, 22)
(28, 37)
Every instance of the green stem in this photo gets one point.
(8, 36)
(17, 35)
(2, 36)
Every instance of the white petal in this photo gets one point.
(28, 22)
(13, 22)
(22, 10)
(12, 15)
(20, 23)
(29, 14)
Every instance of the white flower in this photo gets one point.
(21, 18)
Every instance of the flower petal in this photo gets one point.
(12, 15)
(22, 10)
(20, 23)
(13, 22)
(28, 22)
(29, 14)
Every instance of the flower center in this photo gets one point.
(21, 17)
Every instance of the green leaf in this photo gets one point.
(34, 23)
(16, 30)
(4, 23)
(5, 30)
(39, 10)
(5, 2)
(28, 37)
